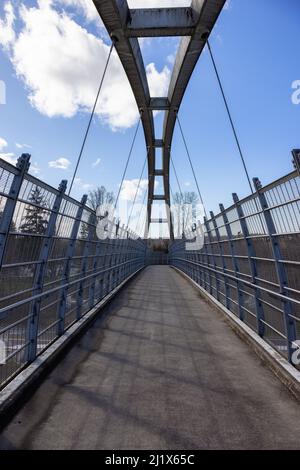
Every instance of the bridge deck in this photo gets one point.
(160, 369)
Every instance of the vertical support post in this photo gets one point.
(12, 197)
(95, 267)
(221, 254)
(206, 273)
(69, 255)
(235, 263)
(105, 266)
(280, 269)
(114, 254)
(85, 261)
(39, 277)
(106, 263)
(252, 265)
(214, 262)
(118, 258)
(296, 159)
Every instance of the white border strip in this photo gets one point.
(283, 370)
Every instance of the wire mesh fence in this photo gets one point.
(54, 268)
(250, 261)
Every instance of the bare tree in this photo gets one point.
(185, 210)
(100, 196)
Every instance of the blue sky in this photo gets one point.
(51, 74)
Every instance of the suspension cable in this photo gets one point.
(91, 118)
(230, 117)
(127, 162)
(191, 163)
(137, 190)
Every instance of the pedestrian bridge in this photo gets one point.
(159, 369)
(118, 342)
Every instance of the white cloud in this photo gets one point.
(96, 163)
(171, 59)
(34, 168)
(12, 159)
(60, 163)
(3, 143)
(7, 34)
(129, 188)
(86, 7)
(158, 81)
(23, 146)
(187, 184)
(82, 185)
(64, 80)
(228, 5)
(9, 158)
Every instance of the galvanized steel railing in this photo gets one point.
(53, 268)
(250, 261)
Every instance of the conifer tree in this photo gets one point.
(35, 220)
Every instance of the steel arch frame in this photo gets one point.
(125, 26)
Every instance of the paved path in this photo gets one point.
(160, 370)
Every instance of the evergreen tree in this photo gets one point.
(12, 227)
(35, 220)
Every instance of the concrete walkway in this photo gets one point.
(160, 370)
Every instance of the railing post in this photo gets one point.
(252, 265)
(95, 267)
(118, 258)
(296, 159)
(234, 261)
(212, 255)
(280, 269)
(69, 255)
(12, 197)
(114, 243)
(227, 296)
(39, 277)
(85, 261)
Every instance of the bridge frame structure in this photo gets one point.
(124, 25)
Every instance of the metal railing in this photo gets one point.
(53, 267)
(250, 261)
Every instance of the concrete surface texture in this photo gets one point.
(159, 369)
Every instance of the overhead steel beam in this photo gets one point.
(159, 104)
(124, 26)
(190, 49)
(159, 221)
(158, 22)
(114, 14)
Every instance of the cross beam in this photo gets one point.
(159, 22)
